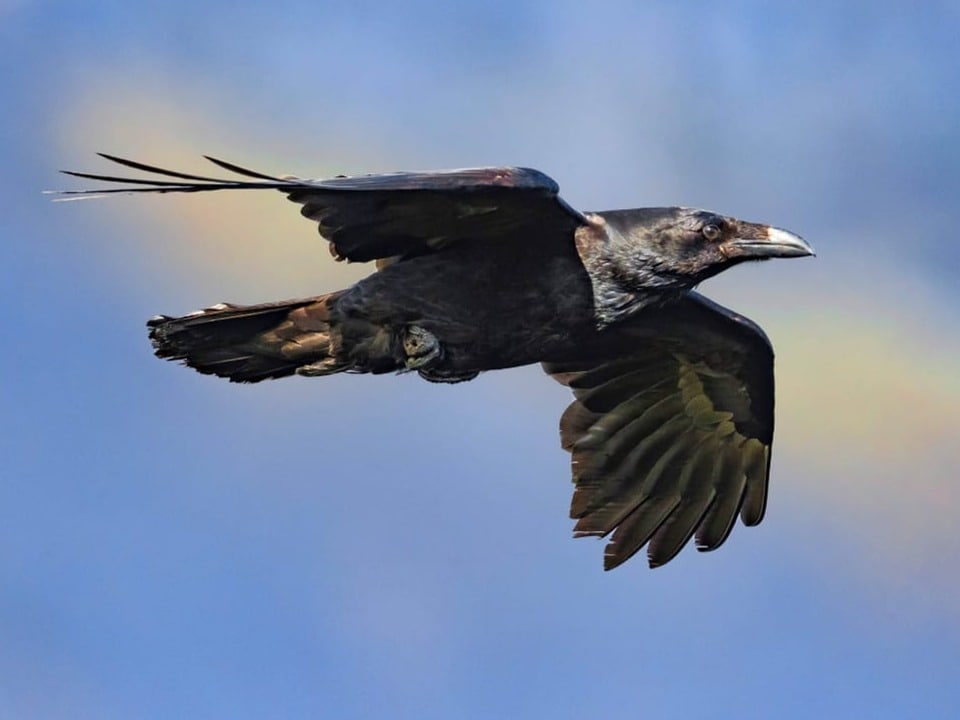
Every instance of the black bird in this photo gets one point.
(488, 268)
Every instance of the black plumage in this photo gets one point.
(672, 423)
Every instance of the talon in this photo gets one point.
(421, 346)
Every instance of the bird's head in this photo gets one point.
(693, 244)
(636, 256)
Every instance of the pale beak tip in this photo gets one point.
(789, 244)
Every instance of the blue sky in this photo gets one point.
(354, 547)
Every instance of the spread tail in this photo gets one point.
(250, 343)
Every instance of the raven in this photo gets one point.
(671, 428)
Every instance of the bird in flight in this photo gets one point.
(671, 426)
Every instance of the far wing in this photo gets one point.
(392, 215)
(671, 430)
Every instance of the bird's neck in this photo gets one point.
(625, 280)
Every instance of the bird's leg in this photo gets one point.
(421, 346)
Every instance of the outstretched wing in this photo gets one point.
(393, 215)
(671, 430)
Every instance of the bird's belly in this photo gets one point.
(485, 315)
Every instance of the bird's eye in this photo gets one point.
(711, 232)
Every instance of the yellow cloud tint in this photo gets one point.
(868, 411)
(242, 246)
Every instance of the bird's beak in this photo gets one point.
(759, 242)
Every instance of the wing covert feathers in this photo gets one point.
(384, 216)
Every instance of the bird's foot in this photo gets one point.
(421, 347)
(424, 352)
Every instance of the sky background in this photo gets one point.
(353, 547)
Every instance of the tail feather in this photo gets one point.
(250, 343)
